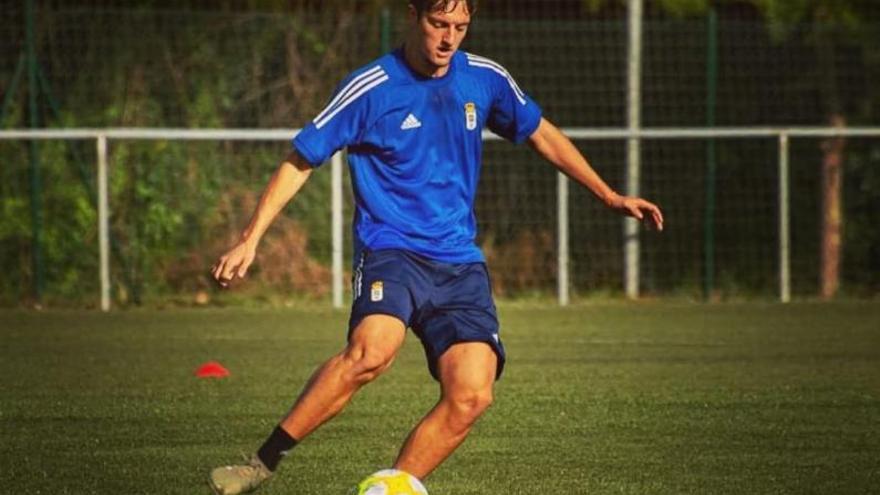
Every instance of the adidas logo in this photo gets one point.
(411, 122)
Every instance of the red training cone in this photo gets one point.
(212, 369)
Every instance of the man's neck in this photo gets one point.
(420, 65)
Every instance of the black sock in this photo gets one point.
(275, 447)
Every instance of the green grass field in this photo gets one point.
(599, 399)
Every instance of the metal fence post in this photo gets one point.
(36, 182)
(336, 221)
(711, 155)
(634, 102)
(562, 255)
(784, 222)
(103, 222)
(385, 30)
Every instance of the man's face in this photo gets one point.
(439, 33)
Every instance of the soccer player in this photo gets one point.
(412, 122)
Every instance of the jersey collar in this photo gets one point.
(411, 75)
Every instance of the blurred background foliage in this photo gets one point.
(273, 64)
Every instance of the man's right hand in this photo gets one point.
(284, 184)
(234, 264)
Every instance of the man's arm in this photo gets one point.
(290, 176)
(549, 142)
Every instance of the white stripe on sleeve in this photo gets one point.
(351, 87)
(485, 63)
(319, 123)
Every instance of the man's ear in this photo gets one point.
(412, 14)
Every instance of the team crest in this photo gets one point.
(377, 291)
(470, 115)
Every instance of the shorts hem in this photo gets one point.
(500, 356)
(353, 323)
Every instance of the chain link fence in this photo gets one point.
(176, 205)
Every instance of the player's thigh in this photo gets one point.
(467, 370)
(376, 337)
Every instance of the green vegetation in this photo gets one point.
(175, 206)
(620, 398)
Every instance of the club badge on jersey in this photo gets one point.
(470, 114)
(377, 291)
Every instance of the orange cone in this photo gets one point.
(212, 369)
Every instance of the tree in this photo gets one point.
(825, 25)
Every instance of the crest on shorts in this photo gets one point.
(377, 291)
(470, 115)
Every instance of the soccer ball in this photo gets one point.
(391, 482)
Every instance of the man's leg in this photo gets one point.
(370, 351)
(467, 375)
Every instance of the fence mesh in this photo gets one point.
(174, 205)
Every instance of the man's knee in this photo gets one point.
(467, 375)
(372, 348)
(364, 364)
(468, 405)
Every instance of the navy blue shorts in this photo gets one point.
(443, 303)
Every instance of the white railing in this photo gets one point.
(103, 136)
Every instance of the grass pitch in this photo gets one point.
(648, 398)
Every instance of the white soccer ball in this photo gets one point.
(391, 482)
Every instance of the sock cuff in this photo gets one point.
(276, 447)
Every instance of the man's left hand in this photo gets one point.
(639, 209)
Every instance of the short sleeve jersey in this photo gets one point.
(414, 149)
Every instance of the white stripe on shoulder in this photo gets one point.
(478, 61)
(491, 64)
(349, 87)
(354, 85)
(363, 88)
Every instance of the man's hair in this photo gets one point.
(423, 6)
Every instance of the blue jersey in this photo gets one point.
(414, 148)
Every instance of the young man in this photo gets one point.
(412, 122)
